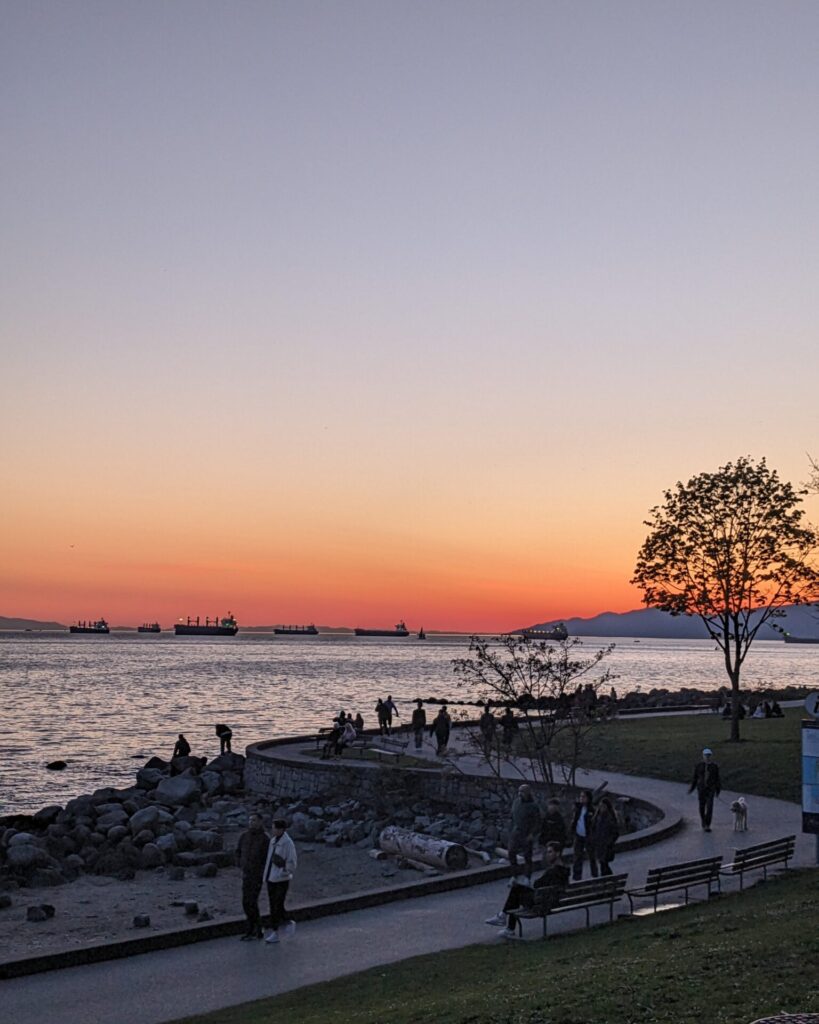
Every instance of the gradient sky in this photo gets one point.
(341, 312)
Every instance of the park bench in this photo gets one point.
(763, 855)
(390, 746)
(594, 892)
(674, 877)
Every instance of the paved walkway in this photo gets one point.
(163, 986)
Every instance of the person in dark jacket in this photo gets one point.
(225, 734)
(555, 878)
(358, 722)
(440, 728)
(553, 827)
(604, 833)
(580, 832)
(707, 783)
(487, 724)
(419, 723)
(509, 726)
(251, 854)
(182, 748)
(524, 827)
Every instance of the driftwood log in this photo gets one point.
(438, 853)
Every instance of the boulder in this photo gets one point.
(20, 839)
(187, 814)
(36, 914)
(106, 821)
(42, 877)
(48, 815)
(149, 778)
(166, 844)
(211, 782)
(146, 818)
(150, 857)
(178, 791)
(183, 764)
(191, 907)
(79, 805)
(227, 762)
(143, 837)
(232, 782)
(105, 795)
(176, 874)
(75, 862)
(115, 833)
(108, 807)
(158, 762)
(204, 841)
(56, 766)
(209, 870)
(26, 856)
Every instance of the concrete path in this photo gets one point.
(167, 985)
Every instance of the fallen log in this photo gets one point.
(439, 853)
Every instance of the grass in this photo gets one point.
(766, 762)
(725, 962)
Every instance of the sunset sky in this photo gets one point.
(350, 311)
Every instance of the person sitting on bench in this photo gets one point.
(555, 878)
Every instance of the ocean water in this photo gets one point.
(105, 704)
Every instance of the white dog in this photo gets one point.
(740, 809)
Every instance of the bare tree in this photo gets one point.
(731, 548)
(554, 690)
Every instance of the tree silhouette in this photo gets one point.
(731, 548)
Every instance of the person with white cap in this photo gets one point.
(707, 783)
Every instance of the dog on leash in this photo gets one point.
(740, 809)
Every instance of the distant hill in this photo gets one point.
(6, 623)
(651, 623)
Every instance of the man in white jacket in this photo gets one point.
(278, 870)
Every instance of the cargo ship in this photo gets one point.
(149, 627)
(211, 627)
(791, 639)
(100, 626)
(400, 630)
(558, 632)
(296, 630)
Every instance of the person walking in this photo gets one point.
(389, 710)
(579, 833)
(278, 873)
(525, 826)
(707, 783)
(419, 723)
(555, 878)
(604, 834)
(381, 714)
(251, 854)
(440, 729)
(225, 734)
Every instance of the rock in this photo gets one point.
(232, 782)
(178, 790)
(20, 839)
(108, 807)
(206, 841)
(146, 818)
(36, 914)
(176, 874)
(143, 837)
(142, 921)
(204, 915)
(149, 778)
(43, 877)
(150, 856)
(105, 795)
(5, 901)
(212, 782)
(208, 870)
(116, 833)
(26, 856)
(106, 821)
(191, 907)
(316, 811)
(79, 805)
(157, 762)
(184, 764)
(56, 766)
(75, 862)
(187, 814)
(166, 844)
(48, 815)
(227, 762)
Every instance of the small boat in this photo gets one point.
(791, 639)
(400, 630)
(296, 630)
(211, 627)
(421, 634)
(149, 627)
(558, 632)
(100, 626)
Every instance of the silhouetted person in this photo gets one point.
(381, 714)
(552, 826)
(251, 854)
(776, 710)
(509, 727)
(419, 721)
(707, 783)
(359, 723)
(440, 729)
(225, 734)
(525, 825)
(604, 833)
(487, 726)
(389, 708)
(580, 833)
(182, 748)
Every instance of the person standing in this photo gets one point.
(278, 873)
(580, 832)
(487, 725)
(440, 729)
(553, 827)
(707, 783)
(251, 854)
(604, 834)
(525, 826)
(389, 709)
(225, 734)
(419, 723)
(381, 714)
(509, 727)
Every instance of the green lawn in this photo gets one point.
(725, 962)
(766, 762)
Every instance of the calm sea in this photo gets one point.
(104, 704)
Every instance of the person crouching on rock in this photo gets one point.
(552, 882)
(251, 854)
(278, 873)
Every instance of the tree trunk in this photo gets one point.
(428, 849)
(734, 707)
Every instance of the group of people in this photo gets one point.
(345, 730)
(489, 726)
(440, 727)
(764, 709)
(183, 749)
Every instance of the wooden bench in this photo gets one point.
(763, 855)
(390, 746)
(674, 877)
(594, 892)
